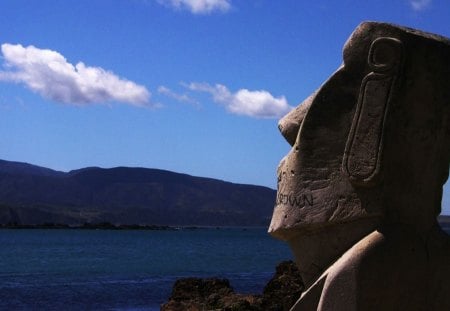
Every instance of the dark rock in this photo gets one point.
(283, 290)
(206, 294)
(193, 294)
(195, 288)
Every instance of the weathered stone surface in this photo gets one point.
(360, 191)
(280, 293)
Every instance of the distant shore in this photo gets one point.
(443, 220)
(95, 226)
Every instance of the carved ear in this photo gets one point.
(364, 145)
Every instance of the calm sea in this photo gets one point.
(127, 270)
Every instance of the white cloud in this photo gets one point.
(184, 98)
(419, 5)
(258, 104)
(48, 73)
(199, 6)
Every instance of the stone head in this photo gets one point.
(373, 142)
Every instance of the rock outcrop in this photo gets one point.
(283, 290)
(196, 294)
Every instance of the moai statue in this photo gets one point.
(360, 190)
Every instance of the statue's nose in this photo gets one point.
(290, 124)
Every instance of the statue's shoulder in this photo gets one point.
(337, 287)
(387, 270)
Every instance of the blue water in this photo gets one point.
(127, 270)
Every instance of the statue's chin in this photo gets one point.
(315, 251)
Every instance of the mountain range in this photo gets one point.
(33, 195)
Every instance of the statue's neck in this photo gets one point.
(315, 251)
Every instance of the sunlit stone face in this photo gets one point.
(335, 138)
(312, 190)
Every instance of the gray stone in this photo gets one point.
(360, 190)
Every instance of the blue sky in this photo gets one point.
(193, 86)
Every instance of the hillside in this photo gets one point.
(35, 195)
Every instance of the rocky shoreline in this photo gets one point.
(197, 294)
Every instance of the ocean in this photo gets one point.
(127, 269)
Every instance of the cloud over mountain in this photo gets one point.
(258, 104)
(49, 74)
(199, 6)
